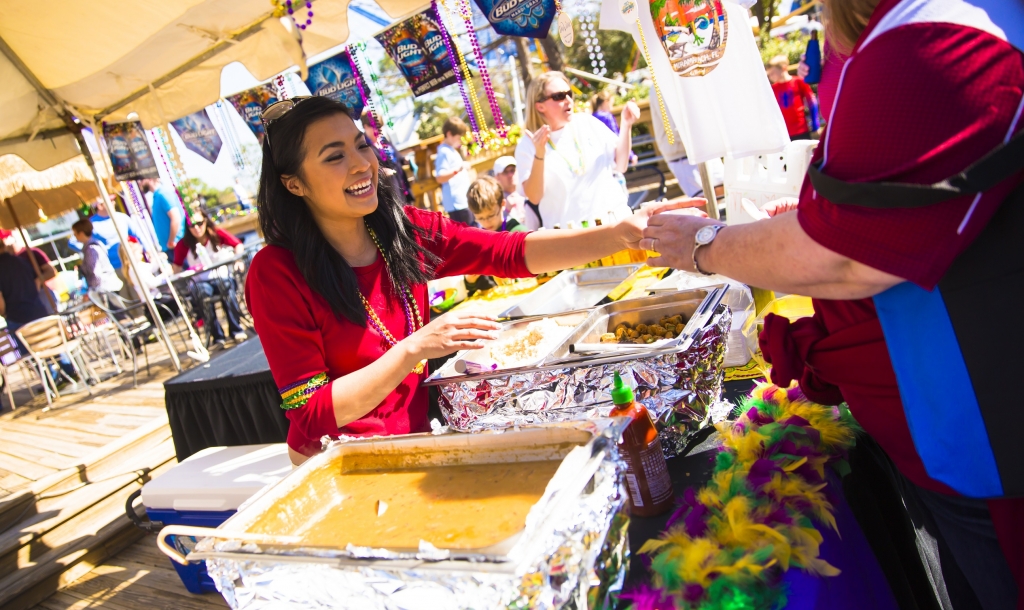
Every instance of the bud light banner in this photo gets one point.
(129, 151)
(523, 18)
(336, 78)
(251, 103)
(199, 135)
(417, 46)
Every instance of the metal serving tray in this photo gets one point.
(450, 370)
(576, 529)
(571, 291)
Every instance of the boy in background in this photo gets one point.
(486, 201)
(452, 172)
(792, 93)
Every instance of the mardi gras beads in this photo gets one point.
(460, 78)
(481, 65)
(288, 8)
(631, 13)
(464, 67)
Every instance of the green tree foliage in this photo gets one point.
(792, 46)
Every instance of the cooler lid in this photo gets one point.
(218, 478)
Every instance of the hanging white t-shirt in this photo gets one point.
(715, 88)
(579, 172)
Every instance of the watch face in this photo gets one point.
(705, 234)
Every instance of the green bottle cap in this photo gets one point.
(622, 394)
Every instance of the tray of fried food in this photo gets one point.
(668, 327)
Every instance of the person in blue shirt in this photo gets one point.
(453, 173)
(168, 214)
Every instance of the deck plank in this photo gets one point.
(42, 427)
(131, 591)
(23, 467)
(51, 444)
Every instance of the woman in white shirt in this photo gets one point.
(567, 163)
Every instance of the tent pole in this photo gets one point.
(709, 190)
(157, 320)
(199, 351)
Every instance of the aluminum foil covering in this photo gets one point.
(677, 388)
(579, 561)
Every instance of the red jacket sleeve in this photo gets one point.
(468, 250)
(227, 238)
(180, 253)
(283, 312)
(950, 99)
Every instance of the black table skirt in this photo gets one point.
(231, 400)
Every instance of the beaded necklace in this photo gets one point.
(579, 169)
(413, 319)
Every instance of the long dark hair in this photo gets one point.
(286, 220)
(210, 231)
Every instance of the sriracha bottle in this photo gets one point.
(650, 488)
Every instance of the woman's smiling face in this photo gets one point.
(338, 175)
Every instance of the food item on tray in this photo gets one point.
(668, 327)
(527, 345)
(467, 506)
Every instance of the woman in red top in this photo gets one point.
(202, 245)
(339, 294)
(953, 86)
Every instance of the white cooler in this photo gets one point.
(206, 489)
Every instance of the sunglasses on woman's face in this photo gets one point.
(197, 224)
(558, 97)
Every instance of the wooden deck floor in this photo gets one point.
(138, 577)
(65, 473)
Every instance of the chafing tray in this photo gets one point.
(677, 382)
(571, 290)
(573, 547)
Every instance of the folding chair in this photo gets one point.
(46, 340)
(10, 355)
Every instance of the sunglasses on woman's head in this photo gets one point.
(558, 97)
(277, 110)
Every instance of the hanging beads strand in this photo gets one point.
(288, 8)
(459, 76)
(172, 173)
(470, 88)
(385, 118)
(367, 103)
(597, 62)
(669, 132)
(481, 65)
(281, 86)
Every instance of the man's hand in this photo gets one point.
(632, 228)
(672, 236)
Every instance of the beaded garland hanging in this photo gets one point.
(597, 62)
(378, 105)
(413, 319)
(288, 8)
(170, 165)
(473, 108)
(460, 77)
(481, 65)
(632, 15)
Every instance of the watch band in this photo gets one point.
(697, 245)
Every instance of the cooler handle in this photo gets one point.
(129, 510)
(209, 532)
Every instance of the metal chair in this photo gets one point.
(10, 356)
(45, 340)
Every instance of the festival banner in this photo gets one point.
(199, 135)
(335, 78)
(417, 46)
(129, 151)
(523, 18)
(251, 103)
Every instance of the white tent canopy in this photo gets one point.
(101, 60)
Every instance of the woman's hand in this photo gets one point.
(630, 114)
(539, 139)
(632, 229)
(452, 332)
(673, 236)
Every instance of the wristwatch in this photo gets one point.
(705, 235)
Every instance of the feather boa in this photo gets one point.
(728, 545)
